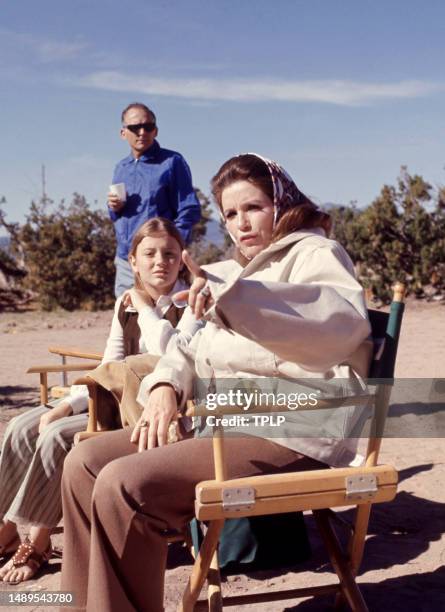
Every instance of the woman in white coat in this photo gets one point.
(289, 307)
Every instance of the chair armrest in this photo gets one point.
(93, 426)
(68, 367)
(64, 351)
(92, 404)
(44, 370)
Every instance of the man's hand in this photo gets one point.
(152, 427)
(136, 298)
(198, 296)
(114, 203)
(62, 410)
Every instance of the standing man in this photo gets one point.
(158, 183)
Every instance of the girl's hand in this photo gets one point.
(136, 298)
(152, 427)
(62, 410)
(199, 296)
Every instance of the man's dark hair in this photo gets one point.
(141, 107)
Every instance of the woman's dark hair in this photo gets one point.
(154, 228)
(251, 168)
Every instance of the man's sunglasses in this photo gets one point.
(136, 127)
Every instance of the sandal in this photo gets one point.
(26, 554)
(11, 547)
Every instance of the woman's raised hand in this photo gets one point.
(199, 296)
(151, 430)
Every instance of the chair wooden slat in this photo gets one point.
(291, 503)
(69, 367)
(74, 352)
(270, 485)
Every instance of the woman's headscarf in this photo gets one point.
(286, 194)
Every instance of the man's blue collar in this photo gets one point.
(150, 154)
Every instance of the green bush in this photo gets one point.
(203, 251)
(69, 252)
(400, 236)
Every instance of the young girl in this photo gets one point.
(37, 442)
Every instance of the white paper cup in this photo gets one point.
(118, 189)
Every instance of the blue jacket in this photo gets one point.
(158, 184)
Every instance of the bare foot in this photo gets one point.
(14, 575)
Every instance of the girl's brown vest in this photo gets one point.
(132, 332)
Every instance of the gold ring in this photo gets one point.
(143, 423)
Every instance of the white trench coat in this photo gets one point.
(294, 312)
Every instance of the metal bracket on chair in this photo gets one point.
(237, 499)
(361, 486)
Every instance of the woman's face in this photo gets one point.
(157, 261)
(248, 214)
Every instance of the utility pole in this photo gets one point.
(44, 197)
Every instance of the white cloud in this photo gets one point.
(349, 93)
(50, 51)
(43, 49)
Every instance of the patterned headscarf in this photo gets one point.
(286, 194)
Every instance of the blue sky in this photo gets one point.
(341, 93)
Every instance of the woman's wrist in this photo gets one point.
(166, 386)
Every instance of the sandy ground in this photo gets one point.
(405, 555)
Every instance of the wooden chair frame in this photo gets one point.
(64, 368)
(93, 408)
(317, 490)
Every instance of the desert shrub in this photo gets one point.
(400, 236)
(68, 253)
(64, 254)
(201, 248)
(12, 271)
